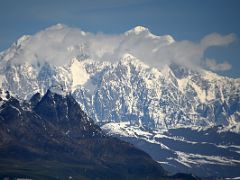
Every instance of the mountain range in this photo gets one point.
(170, 96)
(115, 86)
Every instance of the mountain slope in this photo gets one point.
(207, 152)
(55, 139)
(169, 97)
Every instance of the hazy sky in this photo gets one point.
(183, 19)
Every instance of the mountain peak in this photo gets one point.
(141, 30)
(137, 30)
(22, 39)
(128, 56)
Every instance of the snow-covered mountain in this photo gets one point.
(119, 90)
(116, 80)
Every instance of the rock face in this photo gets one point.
(132, 91)
(54, 138)
(65, 112)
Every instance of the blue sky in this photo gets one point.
(183, 19)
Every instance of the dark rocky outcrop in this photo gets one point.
(51, 137)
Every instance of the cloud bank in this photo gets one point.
(58, 44)
(217, 40)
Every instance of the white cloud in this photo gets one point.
(59, 44)
(216, 39)
(214, 66)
